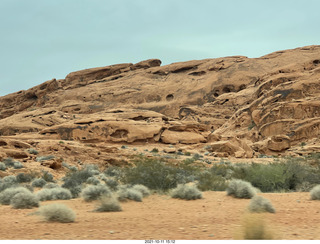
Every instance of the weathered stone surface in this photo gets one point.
(240, 106)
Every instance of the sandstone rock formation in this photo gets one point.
(237, 106)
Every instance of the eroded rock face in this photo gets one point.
(239, 106)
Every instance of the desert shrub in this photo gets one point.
(32, 151)
(315, 193)
(155, 150)
(24, 200)
(9, 193)
(3, 167)
(187, 192)
(22, 178)
(91, 193)
(240, 189)
(113, 171)
(81, 176)
(259, 204)
(143, 189)
(10, 179)
(110, 182)
(54, 194)
(44, 158)
(73, 186)
(93, 180)
(153, 173)
(9, 162)
(40, 182)
(57, 213)
(280, 176)
(129, 194)
(108, 204)
(255, 228)
(48, 177)
(50, 185)
(209, 181)
(17, 165)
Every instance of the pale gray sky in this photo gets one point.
(45, 39)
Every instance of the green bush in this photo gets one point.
(10, 179)
(44, 158)
(22, 178)
(258, 204)
(3, 167)
(127, 193)
(153, 173)
(93, 180)
(40, 182)
(93, 192)
(315, 193)
(24, 200)
(187, 192)
(9, 162)
(57, 193)
(57, 213)
(17, 165)
(209, 181)
(32, 151)
(240, 189)
(108, 204)
(48, 177)
(280, 176)
(9, 193)
(50, 185)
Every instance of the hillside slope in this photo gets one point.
(235, 106)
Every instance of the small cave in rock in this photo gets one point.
(242, 87)
(169, 97)
(3, 143)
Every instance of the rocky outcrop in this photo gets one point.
(239, 106)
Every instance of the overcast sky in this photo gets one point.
(45, 39)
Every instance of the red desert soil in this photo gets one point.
(159, 217)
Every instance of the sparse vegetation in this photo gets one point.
(93, 192)
(32, 151)
(143, 189)
(255, 228)
(57, 213)
(187, 192)
(315, 193)
(240, 189)
(3, 167)
(259, 204)
(93, 180)
(56, 193)
(44, 158)
(40, 182)
(17, 165)
(24, 200)
(108, 204)
(22, 178)
(9, 193)
(127, 193)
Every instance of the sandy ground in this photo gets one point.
(159, 217)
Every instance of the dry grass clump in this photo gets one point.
(94, 192)
(108, 204)
(24, 200)
(187, 192)
(254, 227)
(258, 204)
(9, 193)
(143, 189)
(240, 189)
(126, 193)
(57, 193)
(57, 213)
(315, 193)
